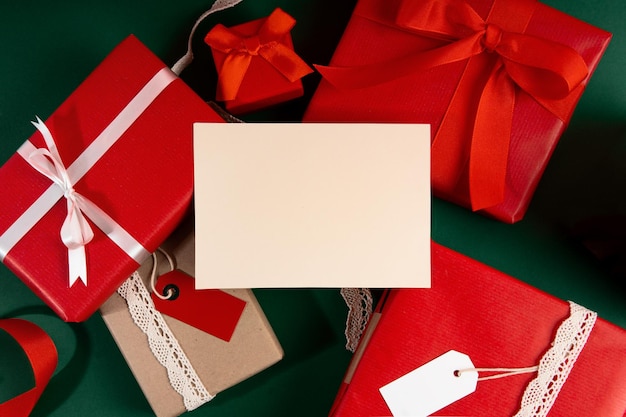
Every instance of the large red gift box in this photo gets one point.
(498, 80)
(499, 322)
(256, 63)
(118, 154)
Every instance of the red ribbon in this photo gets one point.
(267, 43)
(41, 353)
(501, 60)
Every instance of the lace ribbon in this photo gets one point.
(558, 361)
(359, 302)
(186, 59)
(163, 343)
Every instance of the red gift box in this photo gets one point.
(499, 322)
(257, 66)
(124, 158)
(498, 81)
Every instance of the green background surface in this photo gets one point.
(48, 48)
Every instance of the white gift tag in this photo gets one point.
(431, 387)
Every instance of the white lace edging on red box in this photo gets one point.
(557, 363)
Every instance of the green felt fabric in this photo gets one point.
(46, 50)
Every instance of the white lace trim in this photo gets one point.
(556, 364)
(359, 302)
(163, 343)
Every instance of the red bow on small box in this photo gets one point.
(267, 43)
(502, 61)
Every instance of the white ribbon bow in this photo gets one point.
(75, 231)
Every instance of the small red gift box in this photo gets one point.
(499, 322)
(498, 81)
(113, 161)
(257, 66)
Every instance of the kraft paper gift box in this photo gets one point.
(120, 150)
(497, 80)
(219, 364)
(499, 322)
(256, 63)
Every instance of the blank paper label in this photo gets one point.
(431, 387)
(312, 205)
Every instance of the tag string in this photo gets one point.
(155, 263)
(186, 59)
(503, 372)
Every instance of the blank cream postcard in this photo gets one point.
(312, 205)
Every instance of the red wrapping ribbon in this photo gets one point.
(267, 44)
(42, 355)
(501, 60)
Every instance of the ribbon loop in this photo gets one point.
(75, 231)
(266, 43)
(492, 38)
(451, 19)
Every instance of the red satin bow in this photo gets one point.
(267, 44)
(503, 60)
(42, 355)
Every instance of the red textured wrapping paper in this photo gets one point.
(373, 37)
(264, 84)
(499, 322)
(144, 181)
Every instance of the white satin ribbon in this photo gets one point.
(76, 231)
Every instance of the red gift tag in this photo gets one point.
(213, 311)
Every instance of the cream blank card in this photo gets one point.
(312, 205)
